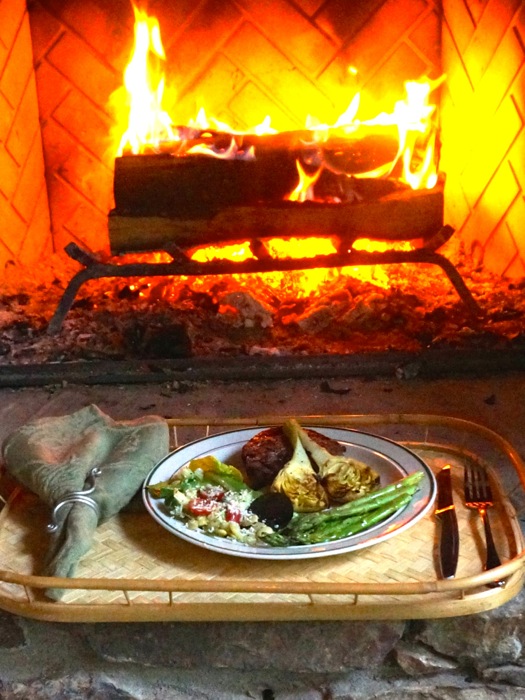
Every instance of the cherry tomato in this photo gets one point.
(200, 506)
(214, 493)
(233, 514)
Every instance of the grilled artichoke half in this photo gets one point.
(343, 478)
(297, 479)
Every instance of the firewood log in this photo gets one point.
(401, 215)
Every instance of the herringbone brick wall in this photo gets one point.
(243, 60)
(240, 59)
(483, 128)
(24, 214)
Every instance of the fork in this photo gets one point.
(478, 496)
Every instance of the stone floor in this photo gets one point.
(438, 659)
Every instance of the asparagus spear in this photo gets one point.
(337, 529)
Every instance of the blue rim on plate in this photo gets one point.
(390, 459)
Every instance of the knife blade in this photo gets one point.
(449, 534)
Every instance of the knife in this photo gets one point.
(449, 535)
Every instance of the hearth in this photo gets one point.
(335, 293)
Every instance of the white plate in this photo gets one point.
(391, 460)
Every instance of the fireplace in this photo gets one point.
(255, 59)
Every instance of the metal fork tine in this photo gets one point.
(486, 485)
(474, 484)
(468, 483)
(478, 496)
(477, 486)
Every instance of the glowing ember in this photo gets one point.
(237, 252)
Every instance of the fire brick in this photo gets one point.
(19, 67)
(53, 88)
(6, 117)
(392, 24)
(13, 226)
(208, 28)
(276, 73)
(37, 242)
(84, 173)
(85, 122)
(88, 74)
(11, 19)
(501, 248)
(294, 35)
(342, 19)
(459, 22)
(10, 170)
(499, 132)
(104, 27)
(490, 31)
(74, 217)
(251, 105)
(403, 64)
(457, 209)
(30, 180)
(516, 159)
(501, 72)
(45, 31)
(457, 84)
(214, 90)
(492, 206)
(518, 91)
(426, 38)
(25, 125)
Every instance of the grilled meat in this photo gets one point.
(267, 452)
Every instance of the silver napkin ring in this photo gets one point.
(77, 497)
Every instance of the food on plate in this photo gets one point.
(297, 479)
(343, 478)
(266, 453)
(316, 496)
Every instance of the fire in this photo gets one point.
(305, 186)
(413, 118)
(303, 283)
(148, 123)
(149, 128)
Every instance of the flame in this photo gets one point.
(148, 123)
(305, 186)
(149, 126)
(412, 117)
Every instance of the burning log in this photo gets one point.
(404, 216)
(242, 170)
(189, 200)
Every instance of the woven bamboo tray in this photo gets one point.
(137, 571)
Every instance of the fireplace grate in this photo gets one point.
(181, 264)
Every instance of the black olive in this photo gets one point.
(273, 509)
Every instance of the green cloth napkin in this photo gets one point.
(53, 457)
